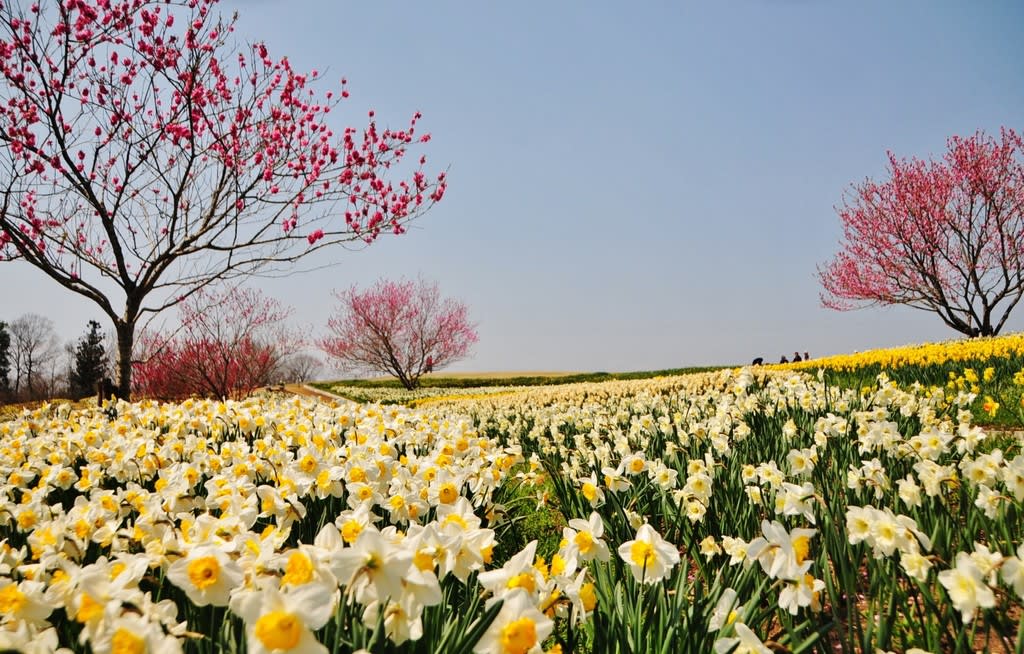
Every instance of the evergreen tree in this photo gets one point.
(90, 362)
(5, 361)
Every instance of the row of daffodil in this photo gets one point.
(879, 521)
(996, 348)
(268, 526)
(389, 395)
(741, 508)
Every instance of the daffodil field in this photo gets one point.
(745, 510)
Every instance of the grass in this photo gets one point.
(528, 518)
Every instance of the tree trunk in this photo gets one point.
(125, 342)
(29, 381)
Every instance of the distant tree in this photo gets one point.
(146, 154)
(226, 345)
(299, 367)
(34, 347)
(944, 236)
(90, 362)
(400, 328)
(5, 361)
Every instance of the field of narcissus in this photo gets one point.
(734, 511)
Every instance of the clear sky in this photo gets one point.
(636, 185)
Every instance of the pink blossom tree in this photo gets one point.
(227, 344)
(944, 236)
(145, 155)
(401, 328)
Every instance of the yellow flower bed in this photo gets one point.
(925, 354)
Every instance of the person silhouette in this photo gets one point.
(796, 357)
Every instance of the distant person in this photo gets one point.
(783, 359)
(807, 357)
(796, 357)
(758, 361)
(430, 365)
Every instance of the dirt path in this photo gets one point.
(304, 390)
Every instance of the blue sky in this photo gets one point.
(637, 185)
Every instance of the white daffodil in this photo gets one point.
(207, 575)
(96, 596)
(802, 462)
(518, 574)
(665, 477)
(966, 587)
(373, 568)
(698, 486)
(696, 510)
(583, 538)
(886, 534)
(590, 487)
(858, 523)
(736, 548)
(794, 500)
(457, 516)
(754, 495)
(988, 562)
(614, 479)
(782, 554)
(745, 642)
(582, 595)
(400, 624)
(465, 551)
(307, 564)
(25, 639)
(727, 610)
(909, 491)
(279, 623)
(710, 548)
(1013, 571)
(519, 628)
(800, 593)
(989, 501)
(1013, 477)
(352, 522)
(916, 565)
(130, 633)
(24, 602)
(649, 556)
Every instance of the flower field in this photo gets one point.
(918, 359)
(734, 511)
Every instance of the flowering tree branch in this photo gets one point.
(401, 328)
(228, 344)
(942, 236)
(145, 156)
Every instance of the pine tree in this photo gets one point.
(90, 362)
(5, 361)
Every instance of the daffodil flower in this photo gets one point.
(283, 622)
(519, 628)
(207, 575)
(649, 557)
